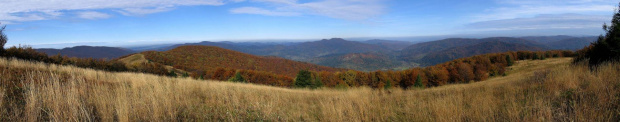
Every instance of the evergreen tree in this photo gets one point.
(237, 78)
(3, 39)
(418, 82)
(388, 84)
(303, 79)
(509, 60)
(172, 74)
(607, 47)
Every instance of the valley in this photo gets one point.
(370, 55)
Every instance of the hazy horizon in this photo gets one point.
(141, 44)
(59, 24)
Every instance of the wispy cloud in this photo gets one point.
(93, 15)
(32, 10)
(254, 10)
(342, 9)
(509, 9)
(15, 11)
(549, 21)
(539, 15)
(143, 11)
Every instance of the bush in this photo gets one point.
(237, 78)
(303, 79)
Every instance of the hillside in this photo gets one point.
(477, 49)
(209, 58)
(308, 50)
(540, 90)
(89, 52)
(294, 51)
(418, 51)
(562, 42)
(547, 39)
(575, 43)
(363, 61)
(389, 44)
(205, 43)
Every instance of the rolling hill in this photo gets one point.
(89, 52)
(575, 43)
(363, 61)
(205, 43)
(435, 52)
(477, 49)
(294, 51)
(562, 42)
(309, 50)
(389, 44)
(547, 39)
(206, 58)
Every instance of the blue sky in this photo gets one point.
(56, 24)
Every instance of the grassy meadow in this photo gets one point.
(533, 90)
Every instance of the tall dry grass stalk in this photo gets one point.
(548, 90)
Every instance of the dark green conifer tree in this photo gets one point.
(607, 47)
(418, 82)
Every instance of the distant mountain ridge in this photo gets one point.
(295, 51)
(389, 44)
(369, 55)
(564, 42)
(309, 50)
(575, 43)
(477, 49)
(99, 52)
(547, 39)
(363, 61)
(418, 51)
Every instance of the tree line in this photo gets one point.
(606, 48)
(464, 70)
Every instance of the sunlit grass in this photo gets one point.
(65, 93)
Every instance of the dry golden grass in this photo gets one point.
(134, 59)
(556, 92)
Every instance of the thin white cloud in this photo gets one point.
(543, 16)
(343, 9)
(143, 11)
(254, 10)
(32, 10)
(509, 9)
(541, 22)
(236, 1)
(347, 9)
(93, 15)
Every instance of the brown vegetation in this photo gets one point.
(27, 53)
(207, 63)
(208, 58)
(41, 92)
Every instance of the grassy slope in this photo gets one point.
(136, 59)
(63, 93)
